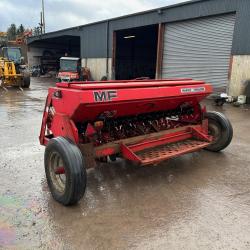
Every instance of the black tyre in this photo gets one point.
(221, 129)
(113, 158)
(65, 172)
(26, 82)
(104, 78)
(220, 102)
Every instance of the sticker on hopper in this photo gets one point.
(193, 90)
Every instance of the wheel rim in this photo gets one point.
(57, 172)
(214, 130)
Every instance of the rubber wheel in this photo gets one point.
(219, 102)
(65, 172)
(112, 158)
(26, 82)
(221, 129)
(104, 78)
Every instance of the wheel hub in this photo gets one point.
(215, 131)
(57, 172)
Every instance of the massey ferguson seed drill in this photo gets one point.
(143, 121)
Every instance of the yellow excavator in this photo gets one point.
(13, 71)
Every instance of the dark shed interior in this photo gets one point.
(136, 52)
(54, 48)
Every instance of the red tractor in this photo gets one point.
(71, 70)
(143, 121)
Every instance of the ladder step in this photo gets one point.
(163, 152)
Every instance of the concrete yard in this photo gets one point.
(197, 201)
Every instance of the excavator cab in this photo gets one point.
(13, 54)
(13, 71)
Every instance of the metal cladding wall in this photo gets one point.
(200, 49)
(94, 41)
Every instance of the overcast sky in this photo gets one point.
(62, 14)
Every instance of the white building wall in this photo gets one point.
(97, 67)
(33, 56)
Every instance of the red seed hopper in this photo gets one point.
(144, 121)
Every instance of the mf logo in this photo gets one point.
(105, 96)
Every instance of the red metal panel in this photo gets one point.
(105, 152)
(200, 135)
(129, 154)
(127, 85)
(63, 126)
(68, 84)
(44, 120)
(81, 105)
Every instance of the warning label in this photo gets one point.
(193, 90)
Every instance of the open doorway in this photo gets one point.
(45, 53)
(136, 52)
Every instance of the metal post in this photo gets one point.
(107, 50)
(43, 17)
(160, 47)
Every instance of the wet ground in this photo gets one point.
(197, 201)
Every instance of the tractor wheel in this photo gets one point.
(221, 129)
(65, 172)
(26, 82)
